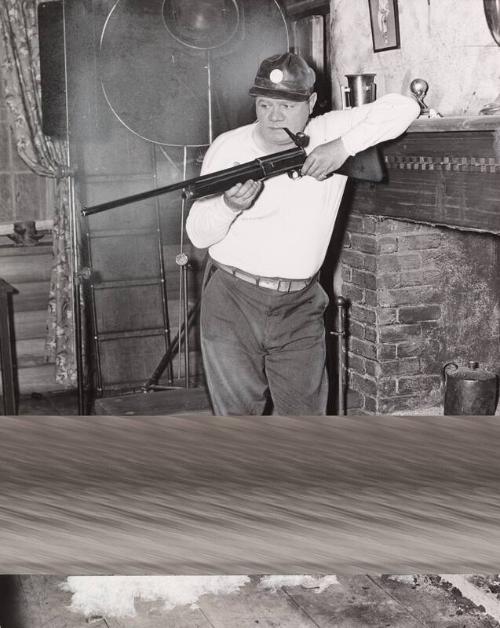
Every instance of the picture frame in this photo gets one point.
(384, 20)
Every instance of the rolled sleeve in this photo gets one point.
(379, 121)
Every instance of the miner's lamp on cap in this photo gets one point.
(285, 76)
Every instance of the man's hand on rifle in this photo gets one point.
(242, 195)
(324, 159)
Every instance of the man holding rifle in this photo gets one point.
(262, 327)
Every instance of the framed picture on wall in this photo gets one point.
(385, 24)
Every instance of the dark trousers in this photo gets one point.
(258, 343)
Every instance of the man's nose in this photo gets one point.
(276, 114)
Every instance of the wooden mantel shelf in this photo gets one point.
(455, 123)
(442, 171)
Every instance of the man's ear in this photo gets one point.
(312, 101)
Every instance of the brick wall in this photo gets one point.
(413, 291)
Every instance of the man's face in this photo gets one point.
(273, 114)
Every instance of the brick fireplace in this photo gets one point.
(421, 266)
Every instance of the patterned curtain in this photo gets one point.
(20, 72)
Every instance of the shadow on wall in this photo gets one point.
(471, 307)
(11, 602)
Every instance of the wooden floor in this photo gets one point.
(351, 602)
(63, 403)
(179, 401)
(156, 403)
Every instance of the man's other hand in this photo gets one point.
(324, 159)
(242, 195)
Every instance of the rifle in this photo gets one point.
(365, 166)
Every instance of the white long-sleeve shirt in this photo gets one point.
(287, 230)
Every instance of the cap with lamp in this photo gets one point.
(285, 76)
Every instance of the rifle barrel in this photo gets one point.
(215, 182)
(365, 166)
(134, 198)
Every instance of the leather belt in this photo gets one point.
(272, 283)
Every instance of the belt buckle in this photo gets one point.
(284, 285)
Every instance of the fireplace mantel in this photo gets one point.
(442, 171)
(455, 123)
(422, 295)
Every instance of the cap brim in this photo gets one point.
(279, 93)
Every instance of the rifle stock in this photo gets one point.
(365, 166)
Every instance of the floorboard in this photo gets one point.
(352, 602)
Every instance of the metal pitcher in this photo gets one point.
(360, 90)
(469, 390)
